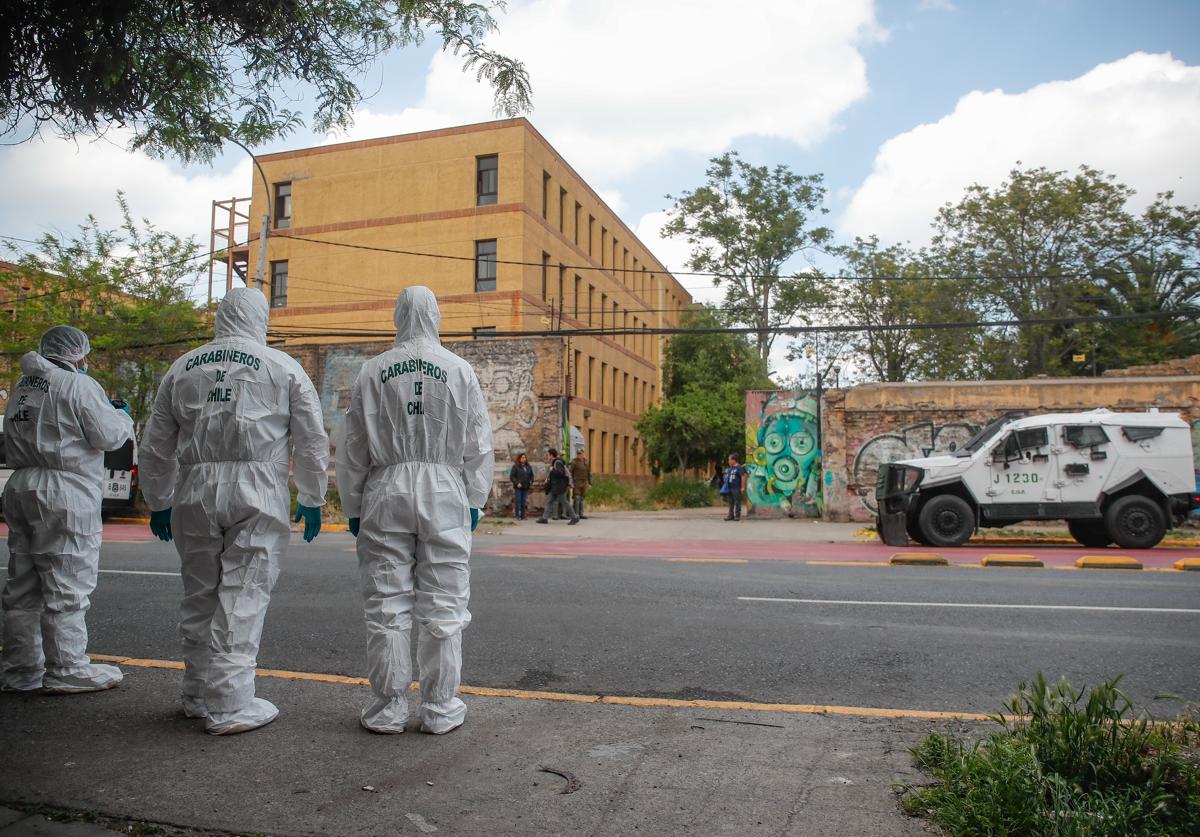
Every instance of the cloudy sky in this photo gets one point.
(899, 103)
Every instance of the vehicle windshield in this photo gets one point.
(983, 436)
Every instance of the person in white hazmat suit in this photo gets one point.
(414, 469)
(58, 424)
(214, 471)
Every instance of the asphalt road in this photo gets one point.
(640, 626)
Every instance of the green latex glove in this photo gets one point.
(160, 524)
(312, 521)
(474, 519)
(353, 526)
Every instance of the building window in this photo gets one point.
(283, 205)
(487, 180)
(546, 195)
(578, 289)
(603, 244)
(591, 301)
(485, 265)
(591, 233)
(578, 214)
(591, 377)
(562, 210)
(576, 371)
(545, 274)
(279, 272)
(483, 332)
(562, 281)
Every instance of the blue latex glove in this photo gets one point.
(160, 524)
(312, 521)
(474, 519)
(353, 526)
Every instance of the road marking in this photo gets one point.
(709, 560)
(1183, 610)
(608, 700)
(124, 572)
(531, 555)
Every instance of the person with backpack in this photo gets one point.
(558, 483)
(732, 485)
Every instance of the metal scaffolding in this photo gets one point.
(229, 241)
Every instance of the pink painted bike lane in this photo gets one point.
(1051, 555)
(113, 532)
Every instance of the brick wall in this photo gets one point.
(521, 381)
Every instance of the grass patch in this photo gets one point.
(1066, 762)
(677, 493)
(668, 493)
(613, 495)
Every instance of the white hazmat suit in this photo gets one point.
(216, 452)
(57, 426)
(417, 456)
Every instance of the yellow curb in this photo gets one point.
(129, 521)
(1001, 559)
(709, 560)
(1108, 562)
(608, 700)
(918, 559)
(1188, 564)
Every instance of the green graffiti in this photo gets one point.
(783, 454)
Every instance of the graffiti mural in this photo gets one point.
(915, 440)
(783, 452)
(507, 385)
(1196, 459)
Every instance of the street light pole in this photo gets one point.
(266, 221)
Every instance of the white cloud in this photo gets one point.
(1137, 118)
(936, 6)
(53, 185)
(620, 84)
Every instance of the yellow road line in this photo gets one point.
(610, 700)
(709, 560)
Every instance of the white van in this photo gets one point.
(1121, 478)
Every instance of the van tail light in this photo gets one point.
(133, 477)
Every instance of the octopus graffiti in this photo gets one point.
(1196, 458)
(783, 452)
(915, 440)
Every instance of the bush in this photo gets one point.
(1066, 762)
(613, 495)
(679, 493)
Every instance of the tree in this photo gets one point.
(186, 76)
(694, 428)
(126, 288)
(1045, 245)
(709, 359)
(744, 225)
(896, 287)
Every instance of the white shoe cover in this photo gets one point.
(194, 707)
(439, 719)
(92, 677)
(26, 683)
(386, 716)
(258, 714)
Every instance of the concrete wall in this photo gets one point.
(877, 423)
(521, 380)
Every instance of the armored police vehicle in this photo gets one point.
(1121, 478)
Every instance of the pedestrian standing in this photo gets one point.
(415, 469)
(521, 475)
(558, 483)
(58, 425)
(732, 486)
(581, 481)
(214, 471)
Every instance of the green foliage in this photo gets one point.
(905, 296)
(743, 225)
(682, 493)
(694, 428)
(709, 360)
(1067, 762)
(185, 76)
(1050, 245)
(607, 494)
(126, 288)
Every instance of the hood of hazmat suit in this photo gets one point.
(216, 452)
(417, 456)
(57, 426)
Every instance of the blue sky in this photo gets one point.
(899, 103)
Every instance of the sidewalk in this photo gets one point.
(130, 753)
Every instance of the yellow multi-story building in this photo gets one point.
(506, 233)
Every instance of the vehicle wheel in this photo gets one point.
(1091, 533)
(1135, 522)
(913, 528)
(946, 520)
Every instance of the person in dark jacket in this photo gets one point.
(732, 486)
(559, 482)
(581, 479)
(522, 480)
